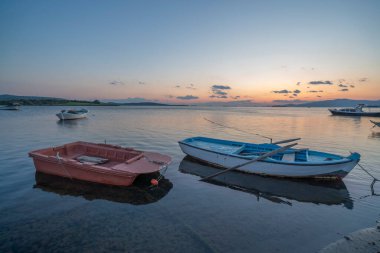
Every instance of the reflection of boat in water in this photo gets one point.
(273, 189)
(375, 123)
(139, 193)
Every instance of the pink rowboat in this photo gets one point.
(99, 163)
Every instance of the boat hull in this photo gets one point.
(82, 172)
(71, 116)
(334, 170)
(368, 114)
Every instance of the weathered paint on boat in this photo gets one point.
(228, 154)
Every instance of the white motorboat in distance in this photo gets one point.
(293, 163)
(357, 111)
(72, 114)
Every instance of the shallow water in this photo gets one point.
(184, 215)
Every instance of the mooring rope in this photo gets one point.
(367, 172)
(236, 129)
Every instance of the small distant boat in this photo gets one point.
(375, 123)
(11, 107)
(357, 111)
(292, 163)
(99, 163)
(72, 114)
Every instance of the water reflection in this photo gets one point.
(71, 123)
(374, 135)
(139, 193)
(274, 189)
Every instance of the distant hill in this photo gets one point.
(148, 104)
(7, 97)
(35, 100)
(335, 103)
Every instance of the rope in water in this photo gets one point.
(236, 129)
(367, 172)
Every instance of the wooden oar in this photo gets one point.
(286, 141)
(251, 161)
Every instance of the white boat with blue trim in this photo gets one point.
(293, 163)
(72, 114)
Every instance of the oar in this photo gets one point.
(251, 161)
(286, 141)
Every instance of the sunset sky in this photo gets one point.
(191, 51)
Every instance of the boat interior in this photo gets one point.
(255, 150)
(84, 152)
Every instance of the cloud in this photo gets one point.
(214, 96)
(178, 86)
(282, 91)
(343, 85)
(352, 86)
(235, 97)
(169, 96)
(220, 87)
(187, 97)
(295, 94)
(115, 82)
(191, 87)
(345, 89)
(321, 82)
(364, 79)
(141, 83)
(298, 83)
(296, 91)
(219, 91)
(319, 96)
(315, 91)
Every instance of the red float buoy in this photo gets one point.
(154, 182)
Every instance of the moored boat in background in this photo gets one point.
(11, 107)
(294, 163)
(72, 114)
(357, 111)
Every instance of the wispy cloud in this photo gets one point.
(327, 82)
(345, 89)
(296, 91)
(178, 86)
(315, 91)
(141, 83)
(187, 97)
(363, 79)
(352, 86)
(282, 91)
(343, 85)
(221, 87)
(116, 82)
(191, 87)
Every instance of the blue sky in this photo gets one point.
(121, 49)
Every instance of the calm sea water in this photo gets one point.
(183, 214)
